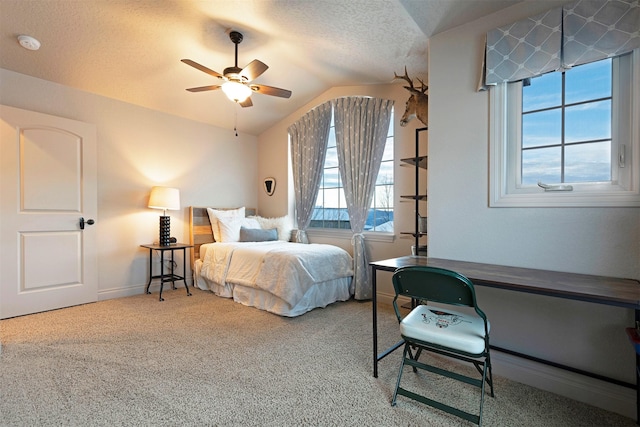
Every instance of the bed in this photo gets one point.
(255, 264)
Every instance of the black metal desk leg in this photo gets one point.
(377, 357)
(637, 375)
(374, 301)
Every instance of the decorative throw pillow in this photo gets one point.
(283, 224)
(230, 214)
(250, 223)
(230, 228)
(257, 234)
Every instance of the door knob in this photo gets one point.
(88, 222)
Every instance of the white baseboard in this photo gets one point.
(129, 291)
(594, 392)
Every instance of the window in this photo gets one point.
(566, 126)
(331, 206)
(570, 131)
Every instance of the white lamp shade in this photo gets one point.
(164, 198)
(236, 91)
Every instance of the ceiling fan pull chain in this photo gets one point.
(235, 123)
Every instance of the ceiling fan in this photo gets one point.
(237, 81)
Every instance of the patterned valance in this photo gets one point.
(580, 32)
(524, 48)
(594, 30)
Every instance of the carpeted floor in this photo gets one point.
(207, 361)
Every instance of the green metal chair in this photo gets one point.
(461, 335)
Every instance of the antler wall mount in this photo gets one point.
(418, 103)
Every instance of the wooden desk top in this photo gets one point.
(583, 287)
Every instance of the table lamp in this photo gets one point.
(164, 198)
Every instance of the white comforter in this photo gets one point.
(286, 270)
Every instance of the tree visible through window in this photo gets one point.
(331, 207)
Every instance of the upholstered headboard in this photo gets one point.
(200, 228)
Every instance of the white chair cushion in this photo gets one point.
(444, 327)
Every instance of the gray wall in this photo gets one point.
(599, 241)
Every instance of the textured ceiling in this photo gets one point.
(130, 50)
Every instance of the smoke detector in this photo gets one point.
(28, 42)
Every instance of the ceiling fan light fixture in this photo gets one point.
(236, 91)
(236, 80)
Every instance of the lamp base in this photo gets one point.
(165, 230)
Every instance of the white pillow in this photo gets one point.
(250, 223)
(283, 224)
(229, 228)
(214, 218)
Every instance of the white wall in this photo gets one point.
(137, 149)
(599, 241)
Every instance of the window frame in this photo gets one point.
(505, 142)
(370, 234)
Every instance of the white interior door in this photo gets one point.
(47, 184)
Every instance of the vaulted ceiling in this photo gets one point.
(130, 50)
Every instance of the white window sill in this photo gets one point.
(584, 195)
(371, 236)
(566, 200)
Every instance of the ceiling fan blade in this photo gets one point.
(270, 90)
(201, 68)
(253, 70)
(246, 103)
(203, 88)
